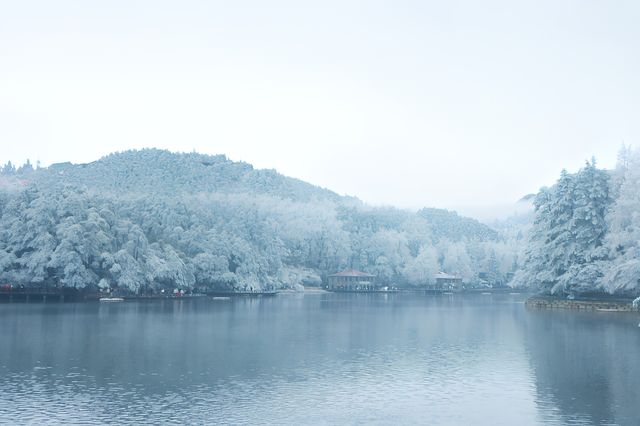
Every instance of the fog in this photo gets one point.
(466, 106)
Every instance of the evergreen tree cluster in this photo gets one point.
(586, 233)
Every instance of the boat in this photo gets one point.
(111, 299)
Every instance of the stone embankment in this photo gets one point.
(538, 302)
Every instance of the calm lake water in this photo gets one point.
(318, 359)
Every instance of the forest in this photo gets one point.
(152, 220)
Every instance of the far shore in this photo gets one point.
(591, 302)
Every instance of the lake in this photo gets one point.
(318, 359)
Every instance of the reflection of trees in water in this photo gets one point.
(163, 345)
(586, 364)
(160, 344)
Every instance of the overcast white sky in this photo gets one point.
(456, 104)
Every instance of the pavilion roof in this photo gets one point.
(352, 273)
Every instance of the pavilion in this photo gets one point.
(352, 280)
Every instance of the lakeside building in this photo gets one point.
(353, 280)
(446, 281)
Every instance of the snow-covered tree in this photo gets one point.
(456, 260)
(423, 268)
(588, 230)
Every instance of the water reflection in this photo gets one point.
(321, 359)
(586, 365)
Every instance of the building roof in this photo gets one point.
(444, 275)
(352, 273)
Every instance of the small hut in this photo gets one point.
(352, 280)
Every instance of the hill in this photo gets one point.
(154, 171)
(143, 221)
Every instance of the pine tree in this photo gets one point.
(588, 228)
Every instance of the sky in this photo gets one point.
(456, 104)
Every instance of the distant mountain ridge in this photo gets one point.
(448, 224)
